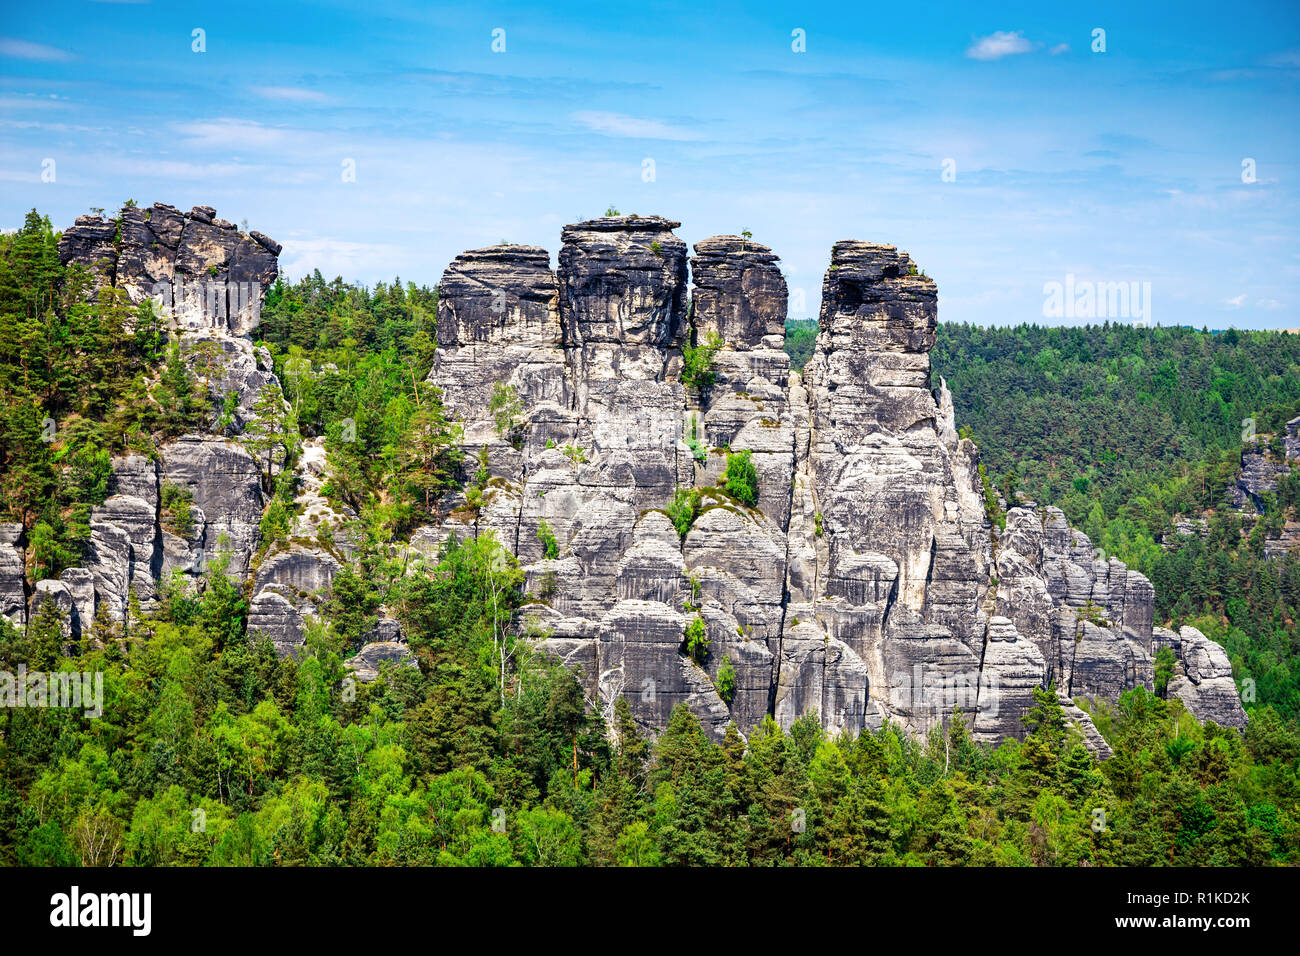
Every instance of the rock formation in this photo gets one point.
(866, 582)
(1202, 676)
(202, 270)
(207, 280)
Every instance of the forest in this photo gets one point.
(1127, 430)
(212, 750)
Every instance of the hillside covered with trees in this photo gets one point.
(1128, 429)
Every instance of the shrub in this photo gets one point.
(740, 479)
(177, 503)
(726, 682)
(684, 509)
(550, 547)
(698, 451)
(507, 412)
(697, 363)
(1164, 669)
(697, 640)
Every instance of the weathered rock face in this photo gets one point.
(740, 294)
(13, 593)
(1202, 676)
(295, 577)
(202, 269)
(136, 543)
(54, 592)
(366, 665)
(623, 281)
(207, 280)
(866, 581)
(503, 295)
(1090, 618)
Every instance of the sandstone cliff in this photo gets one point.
(866, 582)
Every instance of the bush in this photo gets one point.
(177, 505)
(726, 683)
(550, 547)
(507, 413)
(697, 640)
(697, 363)
(693, 442)
(1164, 662)
(740, 479)
(684, 509)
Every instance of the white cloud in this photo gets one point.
(334, 257)
(617, 124)
(1059, 49)
(1270, 304)
(23, 50)
(290, 94)
(1236, 302)
(230, 134)
(30, 102)
(999, 44)
(1288, 59)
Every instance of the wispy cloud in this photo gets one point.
(632, 127)
(26, 50)
(1288, 59)
(999, 44)
(31, 102)
(332, 256)
(290, 94)
(230, 134)
(1236, 302)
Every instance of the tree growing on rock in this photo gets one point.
(740, 479)
(697, 363)
(432, 451)
(268, 436)
(507, 413)
(684, 509)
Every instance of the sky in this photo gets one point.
(995, 142)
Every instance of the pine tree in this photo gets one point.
(267, 436)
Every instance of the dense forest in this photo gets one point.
(1127, 429)
(211, 750)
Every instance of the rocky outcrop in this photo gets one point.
(1202, 677)
(1261, 469)
(295, 576)
(740, 294)
(13, 592)
(1090, 618)
(864, 583)
(51, 591)
(206, 279)
(202, 270)
(367, 664)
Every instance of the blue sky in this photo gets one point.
(1122, 166)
